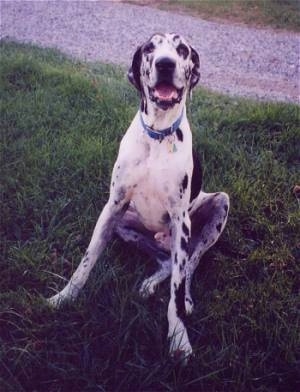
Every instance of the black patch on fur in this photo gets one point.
(187, 73)
(179, 300)
(176, 37)
(125, 207)
(134, 74)
(219, 227)
(149, 47)
(144, 106)
(85, 261)
(184, 245)
(184, 183)
(226, 208)
(121, 196)
(165, 219)
(196, 69)
(185, 229)
(175, 259)
(182, 266)
(183, 50)
(179, 134)
(196, 184)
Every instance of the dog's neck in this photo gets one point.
(159, 119)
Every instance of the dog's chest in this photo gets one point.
(151, 172)
(158, 178)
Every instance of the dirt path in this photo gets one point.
(235, 60)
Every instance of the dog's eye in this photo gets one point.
(149, 48)
(183, 50)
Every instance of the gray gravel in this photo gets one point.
(235, 60)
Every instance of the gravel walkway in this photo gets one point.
(236, 60)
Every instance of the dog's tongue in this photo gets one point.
(166, 92)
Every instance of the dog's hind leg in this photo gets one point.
(131, 230)
(208, 219)
(149, 285)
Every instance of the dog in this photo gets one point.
(156, 199)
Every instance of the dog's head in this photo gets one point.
(164, 69)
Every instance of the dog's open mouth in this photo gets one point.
(165, 95)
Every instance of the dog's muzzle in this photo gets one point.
(165, 94)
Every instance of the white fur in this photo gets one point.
(148, 179)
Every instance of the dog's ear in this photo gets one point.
(134, 73)
(195, 76)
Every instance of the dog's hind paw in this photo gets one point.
(55, 301)
(68, 294)
(180, 347)
(189, 305)
(148, 288)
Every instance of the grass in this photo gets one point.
(284, 14)
(61, 123)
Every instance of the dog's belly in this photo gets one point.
(151, 210)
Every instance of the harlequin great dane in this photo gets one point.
(155, 198)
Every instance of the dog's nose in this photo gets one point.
(165, 64)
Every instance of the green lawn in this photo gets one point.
(284, 14)
(61, 123)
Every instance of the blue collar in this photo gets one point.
(160, 135)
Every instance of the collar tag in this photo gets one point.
(171, 144)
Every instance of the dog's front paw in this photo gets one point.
(55, 301)
(189, 305)
(180, 347)
(148, 288)
(68, 294)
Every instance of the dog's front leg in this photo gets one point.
(102, 233)
(181, 228)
